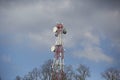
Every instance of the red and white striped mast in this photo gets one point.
(58, 61)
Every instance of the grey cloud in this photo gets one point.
(100, 3)
(81, 14)
(14, 2)
(31, 17)
(109, 4)
(95, 54)
(103, 15)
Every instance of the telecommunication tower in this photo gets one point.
(58, 61)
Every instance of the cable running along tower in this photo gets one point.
(58, 61)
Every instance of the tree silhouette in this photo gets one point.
(82, 72)
(111, 74)
(17, 78)
(44, 72)
(69, 72)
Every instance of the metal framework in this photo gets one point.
(58, 61)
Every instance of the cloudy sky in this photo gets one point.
(26, 36)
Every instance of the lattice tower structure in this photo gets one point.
(58, 61)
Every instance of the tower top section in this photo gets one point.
(59, 29)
